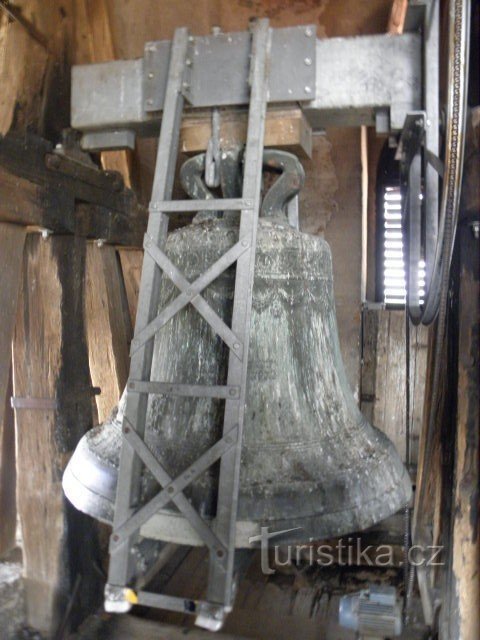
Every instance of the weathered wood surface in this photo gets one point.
(12, 240)
(462, 612)
(284, 129)
(8, 476)
(50, 361)
(384, 376)
(108, 326)
(43, 189)
(131, 261)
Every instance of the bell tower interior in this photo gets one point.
(240, 309)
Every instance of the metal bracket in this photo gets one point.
(51, 404)
(293, 58)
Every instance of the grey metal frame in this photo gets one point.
(350, 81)
(220, 538)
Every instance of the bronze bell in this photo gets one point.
(310, 460)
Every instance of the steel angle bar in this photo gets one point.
(180, 500)
(173, 488)
(122, 566)
(193, 206)
(190, 294)
(185, 390)
(220, 585)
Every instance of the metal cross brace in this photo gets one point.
(190, 294)
(173, 489)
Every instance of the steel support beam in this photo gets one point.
(354, 79)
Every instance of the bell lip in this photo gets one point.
(89, 484)
(86, 500)
(171, 527)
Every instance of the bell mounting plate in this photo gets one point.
(218, 67)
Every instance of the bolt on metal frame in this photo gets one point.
(219, 537)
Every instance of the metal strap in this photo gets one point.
(190, 294)
(220, 585)
(193, 206)
(184, 390)
(122, 568)
(51, 404)
(156, 468)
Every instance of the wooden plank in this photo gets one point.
(368, 377)
(23, 65)
(42, 189)
(131, 261)
(463, 618)
(398, 13)
(94, 221)
(12, 240)
(21, 201)
(108, 326)
(389, 412)
(8, 476)
(383, 375)
(50, 361)
(284, 129)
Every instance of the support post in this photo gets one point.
(107, 325)
(50, 362)
(12, 239)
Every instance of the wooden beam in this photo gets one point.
(50, 362)
(398, 13)
(108, 326)
(8, 476)
(43, 189)
(21, 201)
(462, 612)
(284, 129)
(12, 240)
(131, 261)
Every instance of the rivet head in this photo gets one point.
(308, 62)
(150, 75)
(220, 553)
(232, 392)
(149, 101)
(126, 430)
(170, 490)
(308, 89)
(236, 345)
(308, 32)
